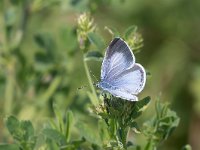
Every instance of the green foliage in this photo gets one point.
(194, 88)
(117, 117)
(96, 40)
(161, 126)
(120, 116)
(55, 135)
(88, 134)
(22, 132)
(133, 38)
(113, 31)
(9, 147)
(63, 125)
(93, 55)
(41, 65)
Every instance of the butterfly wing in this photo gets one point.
(127, 84)
(118, 58)
(123, 94)
(132, 80)
(120, 75)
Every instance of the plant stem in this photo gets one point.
(51, 89)
(10, 66)
(150, 145)
(124, 132)
(113, 128)
(95, 101)
(9, 89)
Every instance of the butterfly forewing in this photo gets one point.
(118, 58)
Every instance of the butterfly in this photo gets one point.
(120, 75)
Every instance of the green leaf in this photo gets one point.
(21, 131)
(158, 108)
(66, 33)
(13, 125)
(45, 41)
(129, 31)
(114, 112)
(113, 31)
(28, 127)
(40, 141)
(142, 103)
(135, 127)
(55, 136)
(89, 135)
(69, 124)
(96, 40)
(59, 118)
(139, 105)
(161, 125)
(93, 55)
(9, 147)
(135, 114)
(103, 131)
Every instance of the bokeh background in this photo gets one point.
(41, 63)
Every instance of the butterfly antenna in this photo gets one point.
(84, 86)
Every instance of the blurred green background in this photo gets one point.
(41, 63)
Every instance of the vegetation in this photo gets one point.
(50, 49)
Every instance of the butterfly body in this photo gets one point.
(120, 75)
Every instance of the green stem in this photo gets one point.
(9, 89)
(124, 132)
(150, 145)
(113, 129)
(24, 20)
(5, 37)
(10, 66)
(95, 100)
(51, 89)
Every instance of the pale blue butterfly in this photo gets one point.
(120, 75)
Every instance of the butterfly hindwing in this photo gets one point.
(131, 80)
(123, 94)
